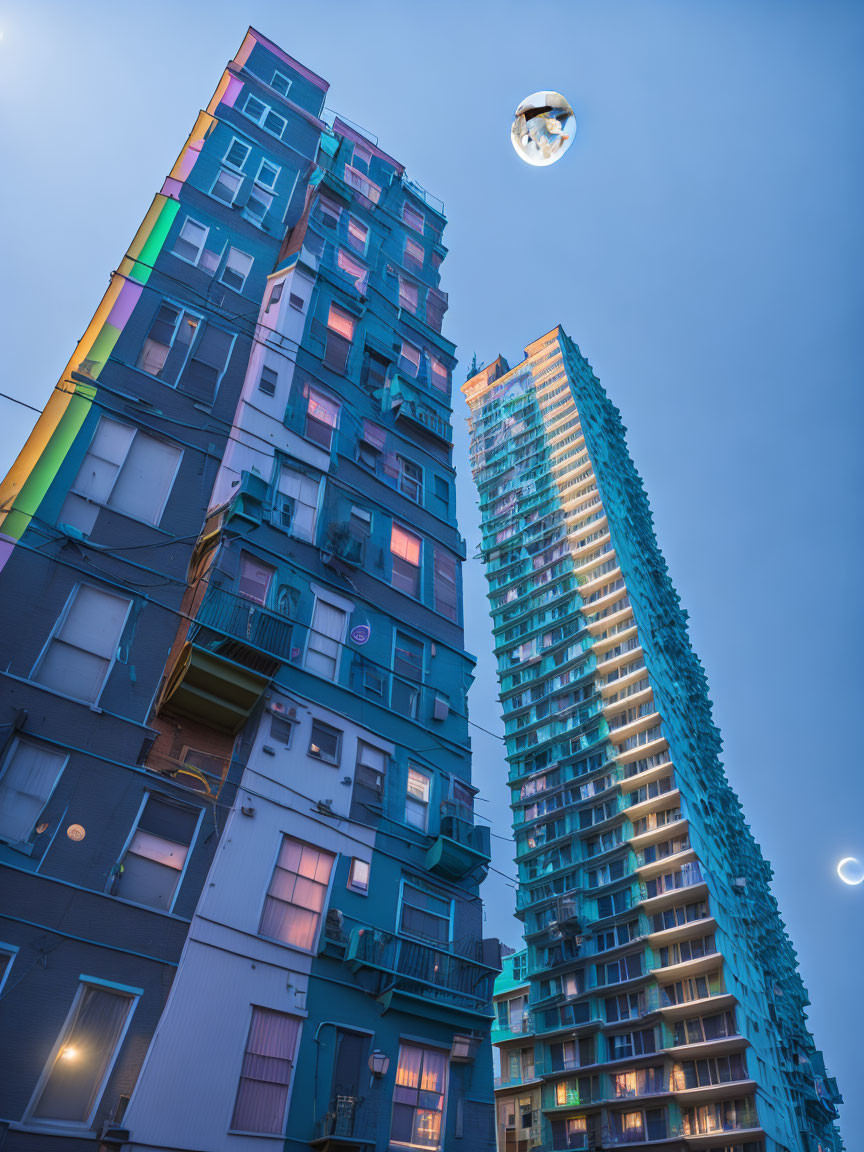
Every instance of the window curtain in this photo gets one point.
(262, 1095)
(295, 899)
(86, 1050)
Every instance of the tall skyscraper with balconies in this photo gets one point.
(239, 856)
(666, 1009)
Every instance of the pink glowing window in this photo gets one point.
(341, 322)
(358, 234)
(409, 295)
(414, 252)
(413, 218)
(440, 374)
(358, 272)
(405, 545)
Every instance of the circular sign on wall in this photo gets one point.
(360, 633)
(76, 832)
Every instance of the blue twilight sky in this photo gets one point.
(702, 241)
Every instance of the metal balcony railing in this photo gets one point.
(443, 975)
(241, 619)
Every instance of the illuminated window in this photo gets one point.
(325, 742)
(297, 894)
(417, 800)
(405, 552)
(255, 579)
(414, 253)
(440, 373)
(340, 333)
(358, 234)
(409, 358)
(84, 1055)
(409, 295)
(413, 218)
(358, 877)
(358, 272)
(418, 1097)
(322, 416)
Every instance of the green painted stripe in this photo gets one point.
(153, 244)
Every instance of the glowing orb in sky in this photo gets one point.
(543, 128)
(850, 870)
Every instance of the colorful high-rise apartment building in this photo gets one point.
(664, 1006)
(239, 854)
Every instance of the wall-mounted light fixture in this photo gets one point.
(379, 1063)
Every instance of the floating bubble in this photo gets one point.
(850, 870)
(543, 128)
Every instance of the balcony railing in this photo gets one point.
(244, 620)
(423, 969)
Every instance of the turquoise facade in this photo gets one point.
(665, 1006)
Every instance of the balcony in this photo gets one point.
(232, 649)
(407, 403)
(342, 1129)
(461, 845)
(433, 982)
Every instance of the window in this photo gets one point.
(83, 645)
(362, 159)
(414, 253)
(425, 915)
(631, 1044)
(370, 769)
(275, 295)
(358, 272)
(226, 186)
(340, 333)
(410, 478)
(30, 774)
(296, 302)
(269, 380)
(446, 596)
(408, 674)
(297, 893)
(409, 358)
(281, 83)
(265, 1077)
(84, 1055)
(281, 730)
(255, 578)
(409, 294)
(440, 373)
(442, 491)
(268, 174)
(358, 876)
(405, 552)
(298, 503)
(207, 363)
(325, 742)
(326, 636)
(417, 799)
(237, 154)
(167, 344)
(258, 205)
(263, 114)
(358, 234)
(329, 211)
(190, 240)
(124, 469)
(413, 218)
(322, 417)
(153, 863)
(418, 1097)
(237, 268)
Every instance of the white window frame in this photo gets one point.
(278, 495)
(182, 872)
(226, 172)
(334, 601)
(4, 768)
(58, 624)
(282, 76)
(133, 995)
(228, 163)
(262, 193)
(360, 888)
(179, 236)
(412, 767)
(260, 182)
(322, 918)
(246, 275)
(268, 110)
(113, 507)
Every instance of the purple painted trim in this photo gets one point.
(6, 546)
(318, 81)
(235, 86)
(172, 187)
(128, 297)
(340, 127)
